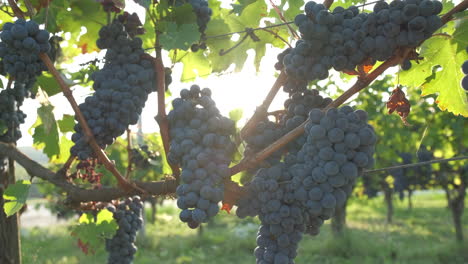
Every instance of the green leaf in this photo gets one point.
(15, 196)
(93, 232)
(47, 83)
(46, 134)
(195, 64)
(439, 72)
(181, 37)
(67, 123)
(236, 114)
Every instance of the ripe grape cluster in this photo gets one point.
(10, 117)
(201, 145)
(121, 89)
(21, 43)
(296, 196)
(128, 215)
(464, 68)
(345, 38)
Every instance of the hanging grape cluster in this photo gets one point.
(128, 215)
(201, 145)
(21, 43)
(10, 117)
(298, 195)
(345, 38)
(122, 87)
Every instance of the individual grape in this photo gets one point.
(406, 65)
(464, 67)
(464, 83)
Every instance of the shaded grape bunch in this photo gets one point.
(121, 90)
(293, 198)
(21, 43)
(10, 117)
(128, 215)
(279, 64)
(201, 145)
(345, 38)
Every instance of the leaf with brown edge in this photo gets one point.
(226, 207)
(398, 102)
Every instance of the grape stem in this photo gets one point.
(129, 154)
(261, 111)
(283, 19)
(122, 182)
(18, 12)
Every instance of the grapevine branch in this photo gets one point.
(261, 111)
(418, 164)
(87, 131)
(161, 117)
(361, 83)
(129, 153)
(77, 194)
(18, 12)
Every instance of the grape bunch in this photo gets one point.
(345, 38)
(128, 215)
(10, 117)
(292, 198)
(464, 68)
(21, 43)
(201, 145)
(265, 133)
(121, 89)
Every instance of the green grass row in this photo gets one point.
(423, 235)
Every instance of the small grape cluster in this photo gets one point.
(296, 196)
(401, 176)
(122, 87)
(21, 43)
(345, 38)
(128, 215)
(201, 145)
(464, 68)
(10, 117)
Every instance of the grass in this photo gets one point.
(423, 235)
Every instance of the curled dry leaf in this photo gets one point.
(398, 102)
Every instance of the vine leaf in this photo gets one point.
(398, 102)
(15, 196)
(439, 72)
(90, 232)
(179, 37)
